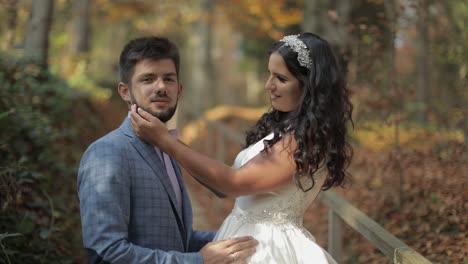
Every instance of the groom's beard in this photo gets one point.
(163, 116)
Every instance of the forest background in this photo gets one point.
(406, 63)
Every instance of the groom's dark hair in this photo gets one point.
(153, 48)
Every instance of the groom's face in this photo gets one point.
(155, 88)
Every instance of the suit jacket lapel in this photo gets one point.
(186, 206)
(148, 153)
(151, 157)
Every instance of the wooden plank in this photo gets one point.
(408, 256)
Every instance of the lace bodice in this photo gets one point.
(275, 220)
(284, 207)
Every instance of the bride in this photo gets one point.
(295, 150)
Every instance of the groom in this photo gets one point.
(133, 202)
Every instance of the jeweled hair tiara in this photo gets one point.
(303, 53)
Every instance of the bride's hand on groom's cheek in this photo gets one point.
(146, 126)
(234, 250)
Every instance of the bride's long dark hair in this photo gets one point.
(319, 124)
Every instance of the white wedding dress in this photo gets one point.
(275, 219)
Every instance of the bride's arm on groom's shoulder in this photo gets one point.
(265, 172)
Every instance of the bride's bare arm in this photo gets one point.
(265, 172)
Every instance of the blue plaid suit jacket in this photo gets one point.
(127, 205)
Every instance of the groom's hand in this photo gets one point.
(234, 250)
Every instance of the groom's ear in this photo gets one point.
(180, 89)
(124, 92)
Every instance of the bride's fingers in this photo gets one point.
(134, 124)
(136, 118)
(133, 118)
(241, 256)
(225, 243)
(147, 116)
(141, 117)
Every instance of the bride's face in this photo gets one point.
(284, 88)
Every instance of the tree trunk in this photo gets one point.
(37, 34)
(11, 22)
(391, 14)
(201, 93)
(207, 59)
(422, 61)
(329, 19)
(391, 84)
(80, 38)
(460, 94)
(465, 127)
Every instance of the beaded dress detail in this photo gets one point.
(275, 219)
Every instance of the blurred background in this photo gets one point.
(406, 63)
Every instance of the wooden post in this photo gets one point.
(335, 235)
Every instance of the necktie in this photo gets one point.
(173, 178)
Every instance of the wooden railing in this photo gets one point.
(340, 211)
